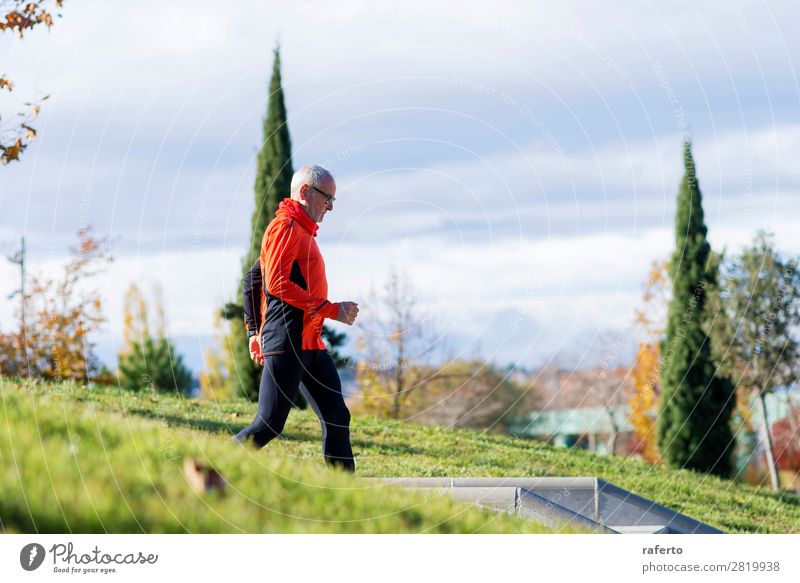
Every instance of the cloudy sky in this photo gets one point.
(519, 160)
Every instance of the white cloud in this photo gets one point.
(505, 145)
(619, 187)
(561, 292)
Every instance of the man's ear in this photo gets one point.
(304, 191)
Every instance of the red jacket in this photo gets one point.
(288, 282)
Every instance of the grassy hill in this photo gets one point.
(103, 460)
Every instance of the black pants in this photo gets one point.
(280, 382)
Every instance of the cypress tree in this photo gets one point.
(149, 362)
(153, 364)
(693, 429)
(273, 181)
(274, 164)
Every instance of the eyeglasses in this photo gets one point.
(329, 199)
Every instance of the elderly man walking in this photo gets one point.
(285, 305)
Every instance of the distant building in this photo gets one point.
(608, 429)
(600, 429)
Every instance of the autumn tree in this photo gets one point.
(395, 348)
(214, 380)
(645, 382)
(760, 293)
(19, 16)
(471, 394)
(644, 399)
(786, 444)
(148, 361)
(61, 315)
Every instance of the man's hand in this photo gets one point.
(347, 313)
(255, 350)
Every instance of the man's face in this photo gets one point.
(316, 200)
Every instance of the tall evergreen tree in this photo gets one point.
(274, 170)
(693, 428)
(274, 164)
(273, 182)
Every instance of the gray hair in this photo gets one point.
(311, 175)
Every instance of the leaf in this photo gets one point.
(202, 479)
(30, 133)
(46, 19)
(12, 152)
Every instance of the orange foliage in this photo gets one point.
(644, 399)
(60, 315)
(25, 14)
(786, 444)
(214, 380)
(19, 16)
(645, 375)
(135, 323)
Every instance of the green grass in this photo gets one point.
(74, 460)
(80, 460)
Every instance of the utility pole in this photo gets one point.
(18, 258)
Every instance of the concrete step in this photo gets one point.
(642, 529)
(583, 502)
